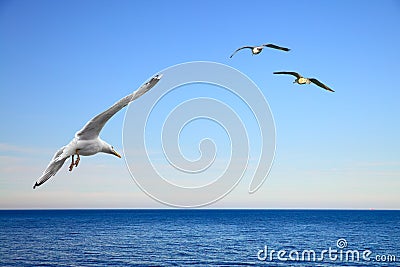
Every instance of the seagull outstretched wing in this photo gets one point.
(240, 49)
(92, 129)
(53, 167)
(315, 81)
(277, 47)
(289, 72)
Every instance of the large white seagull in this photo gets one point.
(87, 141)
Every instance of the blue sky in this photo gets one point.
(62, 62)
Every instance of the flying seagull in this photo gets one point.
(301, 80)
(255, 50)
(87, 141)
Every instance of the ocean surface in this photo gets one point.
(199, 238)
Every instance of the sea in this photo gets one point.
(199, 237)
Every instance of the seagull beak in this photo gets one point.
(116, 153)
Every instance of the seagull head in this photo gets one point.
(109, 149)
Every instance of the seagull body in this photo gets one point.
(87, 141)
(301, 80)
(255, 50)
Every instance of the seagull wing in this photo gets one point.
(315, 81)
(53, 167)
(240, 49)
(277, 47)
(289, 72)
(92, 129)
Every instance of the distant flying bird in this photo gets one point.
(301, 80)
(87, 141)
(255, 50)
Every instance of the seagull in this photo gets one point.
(255, 50)
(87, 141)
(301, 80)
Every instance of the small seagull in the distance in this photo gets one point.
(87, 141)
(255, 50)
(301, 80)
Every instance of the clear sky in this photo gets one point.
(62, 62)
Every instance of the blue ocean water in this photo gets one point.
(199, 238)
